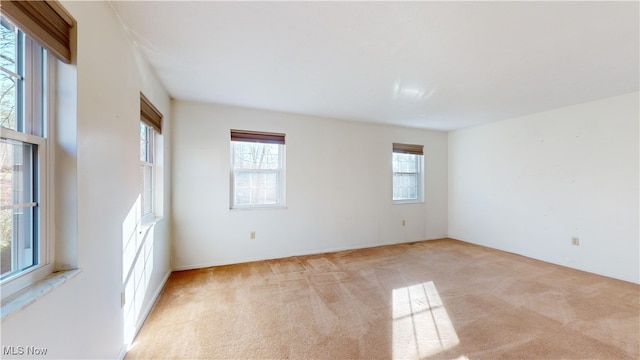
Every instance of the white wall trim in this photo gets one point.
(305, 253)
(122, 353)
(22, 299)
(151, 304)
(145, 314)
(528, 185)
(621, 278)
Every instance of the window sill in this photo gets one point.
(258, 208)
(31, 294)
(149, 221)
(403, 202)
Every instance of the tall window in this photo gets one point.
(27, 85)
(257, 169)
(23, 149)
(146, 170)
(150, 125)
(407, 173)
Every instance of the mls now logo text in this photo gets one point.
(24, 350)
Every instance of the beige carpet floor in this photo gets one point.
(442, 299)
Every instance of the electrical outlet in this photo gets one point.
(404, 223)
(575, 241)
(252, 235)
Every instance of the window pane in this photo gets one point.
(242, 180)
(16, 240)
(396, 162)
(256, 187)
(148, 181)
(256, 156)
(18, 206)
(242, 186)
(146, 189)
(271, 180)
(8, 46)
(405, 186)
(271, 196)
(8, 101)
(16, 169)
(405, 162)
(14, 67)
(22, 236)
(255, 195)
(6, 231)
(413, 192)
(144, 143)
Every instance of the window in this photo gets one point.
(33, 34)
(150, 125)
(257, 169)
(407, 173)
(23, 153)
(146, 170)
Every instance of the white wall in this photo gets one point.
(528, 184)
(338, 187)
(83, 318)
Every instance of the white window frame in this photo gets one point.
(148, 163)
(37, 134)
(281, 180)
(419, 181)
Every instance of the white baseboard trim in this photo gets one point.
(122, 353)
(304, 253)
(147, 310)
(145, 313)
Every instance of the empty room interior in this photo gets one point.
(320, 180)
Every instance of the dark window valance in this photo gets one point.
(149, 114)
(408, 149)
(47, 22)
(257, 136)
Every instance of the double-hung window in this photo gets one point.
(150, 126)
(33, 34)
(23, 154)
(407, 173)
(257, 169)
(146, 169)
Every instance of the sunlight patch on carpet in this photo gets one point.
(421, 325)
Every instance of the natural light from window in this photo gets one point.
(421, 325)
(137, 267)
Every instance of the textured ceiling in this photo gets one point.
(436, 65)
